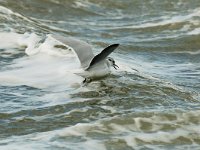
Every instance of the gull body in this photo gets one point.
(97, 71)
(94, 67)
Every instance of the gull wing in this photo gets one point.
(102, 56)
(82, 49)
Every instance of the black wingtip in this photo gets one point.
(112, 46)
(101, 56)
(116, 45)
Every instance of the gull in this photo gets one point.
(94, 67)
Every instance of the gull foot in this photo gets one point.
(87, 80)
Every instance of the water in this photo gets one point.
(151, 102)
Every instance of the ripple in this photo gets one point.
(150, 102)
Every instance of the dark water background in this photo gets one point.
(42, 105)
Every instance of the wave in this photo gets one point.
(157, 129)
(26, 23)
(50, 64)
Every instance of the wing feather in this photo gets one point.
(82, 49)
(103, 55)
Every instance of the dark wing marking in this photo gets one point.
(101, 56)
(82, 49)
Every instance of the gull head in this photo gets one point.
(111, 62)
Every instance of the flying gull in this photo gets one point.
(94, 66)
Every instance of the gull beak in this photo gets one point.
(115, 66)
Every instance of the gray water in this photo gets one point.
(151, 102)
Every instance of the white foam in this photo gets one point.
(9, 40)
(40, 71)
(125, 128)
(46, 66)
(194, 32)
(81, 4)
(5, 10)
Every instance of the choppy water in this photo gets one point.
(43, 105)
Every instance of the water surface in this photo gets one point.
(151, 102)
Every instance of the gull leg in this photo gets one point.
(86, 80)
